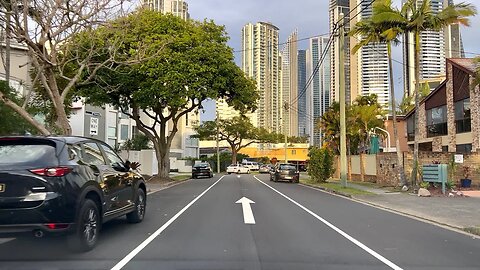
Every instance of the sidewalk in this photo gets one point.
(457, 212)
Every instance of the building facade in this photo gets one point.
(449, 118)
(289, 85)
(20, 66)
(260, 61)
(369, 66)
(178, 8)
(435, 47)
(302, 95)
(319, 91)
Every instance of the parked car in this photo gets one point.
(285, 171)
(253, 166)
(237, 168)
(265, 168)
(66, 185)
(202, 169)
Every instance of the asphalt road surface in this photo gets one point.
(200, 225)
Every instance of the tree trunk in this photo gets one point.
(7, 47)
(24, 114)
(417, 106)
(163, 159)
(401, 170)
(349, 169)
(234, 155)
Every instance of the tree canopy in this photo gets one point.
(164, 68)
(238, 132)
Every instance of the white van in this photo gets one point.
(253, 166)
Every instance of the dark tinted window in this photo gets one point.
(201, 165)
(93, 155)
(287, 167)
(113, 159)
(28, 153)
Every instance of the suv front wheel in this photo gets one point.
(87, 227)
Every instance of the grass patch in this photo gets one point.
(335, 187)
(181, 177)
(473, 230)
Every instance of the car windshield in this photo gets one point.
(202, 165)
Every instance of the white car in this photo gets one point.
(253, 166)
(237, 168)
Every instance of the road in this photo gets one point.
(199, 225)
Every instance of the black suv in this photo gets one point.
(202, 169)
(70, 185)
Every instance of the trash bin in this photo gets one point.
(465, 183)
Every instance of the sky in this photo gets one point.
(309, 17)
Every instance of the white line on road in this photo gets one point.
(147, 241)
(342, 233)
(5, 240)
(247, 210)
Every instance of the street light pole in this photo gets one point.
(343, 127)
(218, 148)
(285, 128)
(389, 146)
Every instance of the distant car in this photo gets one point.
(237, 168)
(202, 169)
(265, 168)
(253, 166)
(286, 172)
(66, 185)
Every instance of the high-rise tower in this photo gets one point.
(176, 7)
(260, 61)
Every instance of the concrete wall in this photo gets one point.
(148, 162)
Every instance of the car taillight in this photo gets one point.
(52, 172)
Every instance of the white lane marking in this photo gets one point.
(247, 210)
(147, 241)
(5, 240)
(339, 231)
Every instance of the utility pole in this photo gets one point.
(343, 127)
(286, 115)
(218, 148)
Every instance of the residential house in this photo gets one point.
(449, 117)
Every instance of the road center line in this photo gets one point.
(339, 231)
(147, 241)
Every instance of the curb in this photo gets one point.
(328, 190)
(166, 185)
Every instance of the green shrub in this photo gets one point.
(139, 142)
(424, 184)
(320, 167)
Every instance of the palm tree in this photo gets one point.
(476, 81)
(373, 32)
(416, 17)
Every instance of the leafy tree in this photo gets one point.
(320, 166)
(137, 143)
(46, 28)
(164, 70)
(417, 17)
(12, 123)
(297, 139)
(238, 132)
(406, 105)
(368, 115)
(375, 33)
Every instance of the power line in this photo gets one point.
(283, 43)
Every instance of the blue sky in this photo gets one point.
(309, 17)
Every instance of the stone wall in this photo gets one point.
(422, 122)
(452, 132)
(437, 144)
(475, 116)
(387, 169)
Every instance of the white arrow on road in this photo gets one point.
(247, 210)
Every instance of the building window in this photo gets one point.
(437, 121)
(123, 132)
(186, 119)
(294, 152)
(411, 128)
(464, 148)
(462, 116)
